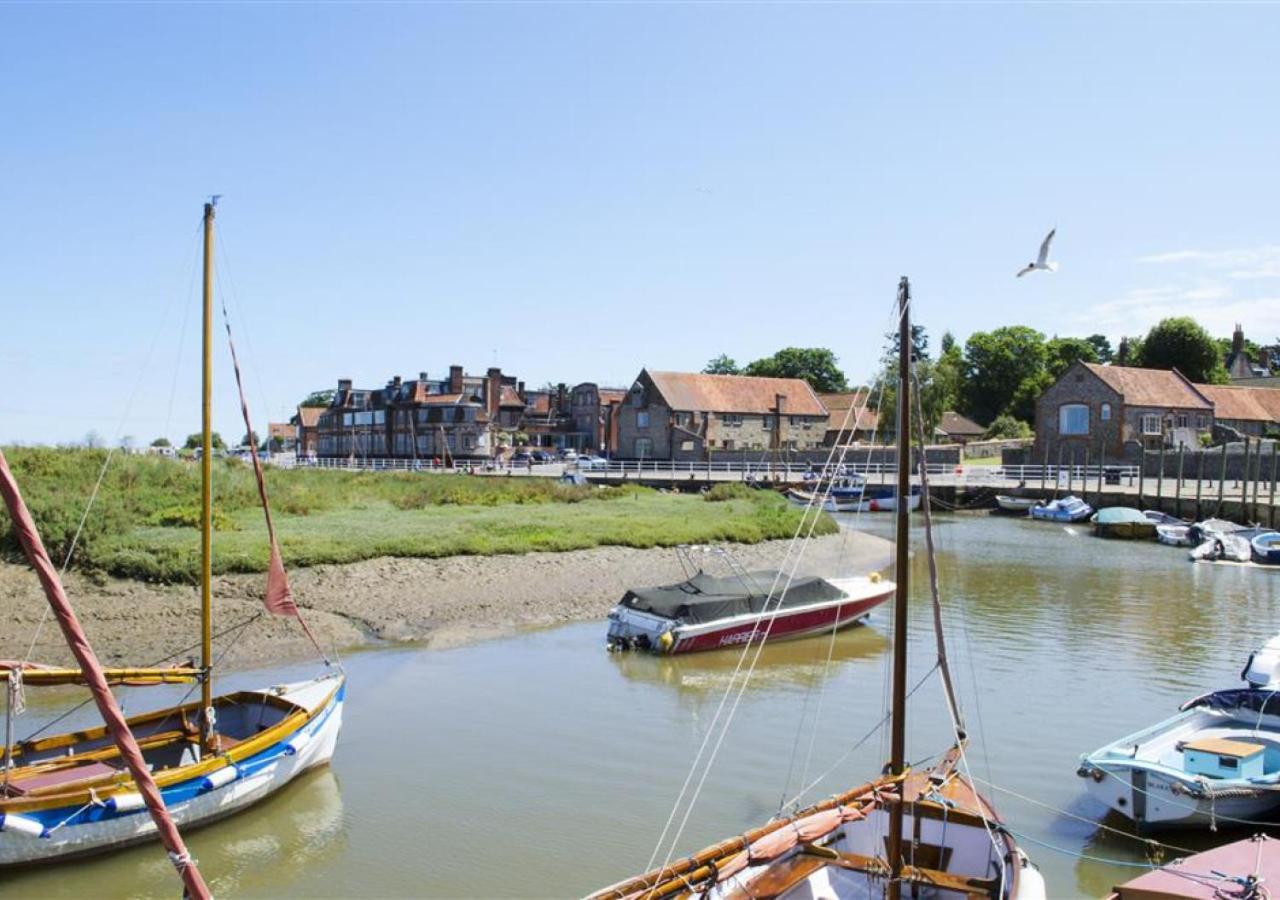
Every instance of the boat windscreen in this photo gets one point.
(704, 598)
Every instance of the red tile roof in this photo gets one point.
(689, 391)
(1243, 403)
(281, 430)
(439, 399)
(838, 405)
(612, 395)
(1151, 387)
(953, 423)
(508, 397)
(309, 416)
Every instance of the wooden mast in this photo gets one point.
(897, 760)
(206, 492)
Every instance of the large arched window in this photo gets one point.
(1073, 418)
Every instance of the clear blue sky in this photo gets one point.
(575, 191)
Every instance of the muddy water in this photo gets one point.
(543, 766)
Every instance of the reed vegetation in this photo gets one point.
(144, 522)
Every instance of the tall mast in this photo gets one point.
(206, 491)
(897, 760)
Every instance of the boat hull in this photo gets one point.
(77, 831)
(1127, 531)
(635, 628)
(1266, 548)
(1015, 504)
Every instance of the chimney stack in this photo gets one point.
(492, 390)
(422, 376)
(1237, 340)
(344, 384)
(455, 379)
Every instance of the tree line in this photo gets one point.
(996, 377)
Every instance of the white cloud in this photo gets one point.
(1241, 263)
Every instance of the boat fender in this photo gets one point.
(123, 803)
(874, 578)
(219, 777)
(297, 743)
(22, 825)
(666, 641)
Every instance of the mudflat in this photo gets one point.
(435, 602)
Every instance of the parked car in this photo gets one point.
(520, 456)
(542, 456)
(568, 454)
(586, 462)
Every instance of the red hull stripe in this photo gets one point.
(794, 625)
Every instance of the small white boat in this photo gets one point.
(1228, 547)
(1174, 535)
(1015, 504)
(1218, 759)
(1266, 547)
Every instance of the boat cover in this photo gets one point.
(704, 598)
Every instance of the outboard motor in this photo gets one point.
(1263, 668)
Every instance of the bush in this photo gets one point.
(1006, 427)
(729, 490)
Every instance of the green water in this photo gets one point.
(543, 766)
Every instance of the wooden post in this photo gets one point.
(1271, 500)
(1257, 477)
(1102, 463)
(1222, 480)
(1142, 472)
(1244, 482)
(1160, 479)
(1071, 471)
(1199, 480)
(1044, 468)
(1057, 472)
(1177, 489)
(1084, 475)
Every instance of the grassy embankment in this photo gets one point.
(145, 522)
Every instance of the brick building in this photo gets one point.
(684, 416)
(851, 417)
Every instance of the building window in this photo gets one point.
(642, 421)
(684, 419)
(1106, 412)
(686, 445)
(1073, 419)
(644, 447)
(1184, 420)
(731, 419)
(728, 445)
(1151, 424)
(1203, 422)
(767, 421)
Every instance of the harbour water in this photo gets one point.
(540, 765)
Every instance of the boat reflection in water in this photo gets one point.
(797, 663)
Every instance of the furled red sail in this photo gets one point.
(278, 599)
(106, 701)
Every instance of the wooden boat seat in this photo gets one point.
(63, 778)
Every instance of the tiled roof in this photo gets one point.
(308, 416)
(953, 423)
(1243, 403)
(439, 399)
(1150, 387)
(281, 430)
(508, 397)
(612, 395)
(838, 406)
(688, 391)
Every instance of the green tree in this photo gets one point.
(161, 442)
(1180, 343)
(1007, 427)
(1004, 371)
(938, 382)
(721, 365)
(1101, 346)
(919, 344)
(816, 365)
(193, 441)
(318, 398)
(1062, 353)
(250, 439)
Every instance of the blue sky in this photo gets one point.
(574, 191)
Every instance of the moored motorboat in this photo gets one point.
(1216, 761)
(1065, 509)
(1123, 522)
(1013, 504)
(1159, 517)
(1235, 871)
(1222, 547)
(705, 612)
(1266, 548)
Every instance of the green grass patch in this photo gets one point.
(143, 525)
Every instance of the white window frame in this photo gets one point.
(1152, 424)
(1067, 408)
(1105, 414)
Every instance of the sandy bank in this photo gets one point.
(439, 603)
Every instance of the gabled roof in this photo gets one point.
(838, 405)
(612, 395)
(508, 397)
(308, 416)
(280, 430)
(1243, 403)
(1151, 387)
(953, 423)
(689, 391)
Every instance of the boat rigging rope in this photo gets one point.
(798, 543)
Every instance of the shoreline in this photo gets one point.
(389, 601)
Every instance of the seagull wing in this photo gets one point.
(1044, 248)
(1025, 270)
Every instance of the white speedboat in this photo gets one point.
(1218, 759)
(1013, 504)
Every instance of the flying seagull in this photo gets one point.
(1042, 261)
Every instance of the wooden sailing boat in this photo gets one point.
(71, 794)
(927, 833)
